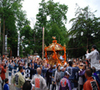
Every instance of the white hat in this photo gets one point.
(67, 73)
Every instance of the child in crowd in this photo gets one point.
(6, 86)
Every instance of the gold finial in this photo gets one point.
(54, 37)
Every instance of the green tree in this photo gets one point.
(28, 40)
(84, 22)
(55, 26)
(13, 19)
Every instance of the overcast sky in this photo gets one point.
(31, 7)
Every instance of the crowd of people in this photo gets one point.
(36, 74)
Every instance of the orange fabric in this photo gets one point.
(37, 83)
(3, 71)
(54, 41)
(45, 52)
(55, 57)
(88, 85)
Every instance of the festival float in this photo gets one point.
(53, 53)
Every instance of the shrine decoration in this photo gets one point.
(52, 52)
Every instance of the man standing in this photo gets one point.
(10, 71)
(65, 83)
(28, 72)
(18, 79)
(39, 81)
(90, 84)
(3, 71)
(57, 77)
(15, 67)
(93, 56)
(72, 71)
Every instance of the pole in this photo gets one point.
(34, 40)
(43, 45)
(18, 44)
(5, 43)
(3, 37)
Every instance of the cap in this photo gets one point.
(67, 73)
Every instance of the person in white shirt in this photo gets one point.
(93, 56)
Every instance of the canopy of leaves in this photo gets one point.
(15, 19)
(51, 16)
(84, 32)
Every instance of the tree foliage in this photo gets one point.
(15, 19)
(87, 24)
(54, 26)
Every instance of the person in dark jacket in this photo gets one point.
(28, 71)
(49, 76)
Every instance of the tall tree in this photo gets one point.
(13, 19)
(84, 23)
(54, 26)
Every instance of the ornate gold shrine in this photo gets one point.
(52, 53)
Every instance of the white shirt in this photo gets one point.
(93, 56)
